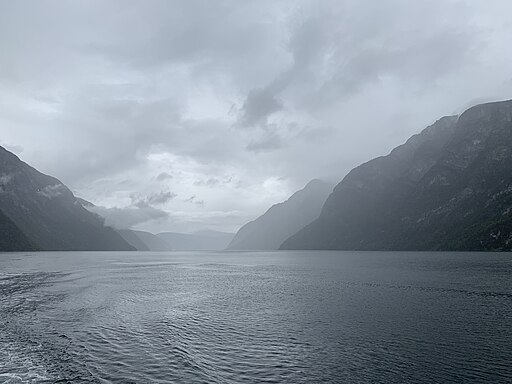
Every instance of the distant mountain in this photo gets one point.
(140, 240)
(199, 241)
(46, 212)
(282, 220)
(212, 233)
(133, 239)
(447, 188)
(144, 241)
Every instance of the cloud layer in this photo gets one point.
(191, 114)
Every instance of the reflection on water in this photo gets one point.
(292, 317)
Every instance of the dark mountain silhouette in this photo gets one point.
(447, 188)
(47, 213)
(199, 241)
(144, 241)
(284, 219)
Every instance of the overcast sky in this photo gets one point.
(185, 115)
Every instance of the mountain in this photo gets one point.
(144, 241)
(212, 233)
(133, 239)
(11, 237)
(47, 213)
(199, 241)
(86, 204)
(282, 220)
(447, 188)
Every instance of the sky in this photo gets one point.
(200, 114)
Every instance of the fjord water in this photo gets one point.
(292, 317)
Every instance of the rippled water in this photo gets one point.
(291, 317)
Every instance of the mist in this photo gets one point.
(229, 107)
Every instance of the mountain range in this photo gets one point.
(175, 241)
(144, 241)
(206, 240)
(447, 188)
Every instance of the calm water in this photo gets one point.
(291, 317)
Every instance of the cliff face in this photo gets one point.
(448, 188)
(47, 213)
(282, 220)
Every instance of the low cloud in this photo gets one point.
(142, 209)
(259, 105)
(202, 92)
(5, 179)
(158, 198)
(128, 217)
(164, 176)
(269, 141)
(52, 191)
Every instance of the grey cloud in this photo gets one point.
(210, 182)
(141, 210)
(259, 105)
(420, 63)
(127, 217)
(157, 198)
(268, 142)
(191, 199)
(132, 94)
(164, 176)
(336, 56)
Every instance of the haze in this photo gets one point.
(187, 115)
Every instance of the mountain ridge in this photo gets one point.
(48, 213)
(447, 188)
(281, 220)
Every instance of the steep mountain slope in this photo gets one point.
(284, 219)
(448, 188)
(47, 212)
(144, 241)
(131, 238)
(11, 237)
(200, 241)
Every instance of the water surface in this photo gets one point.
(270, 317)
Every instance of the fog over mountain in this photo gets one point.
(145, 241)
(447, 188)
(175, 116)
(38, 212)
(199, 241)
(282, 220)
